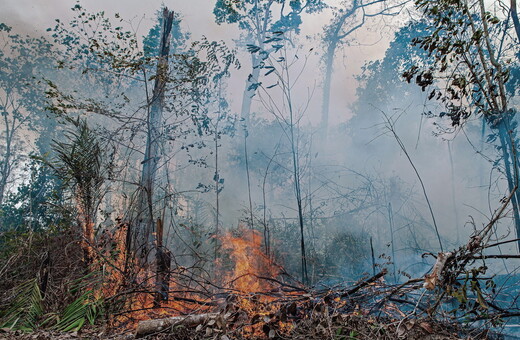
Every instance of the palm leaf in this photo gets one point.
(26, 309)
(86, 308)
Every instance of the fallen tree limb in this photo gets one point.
(365, 283)
(283, 284)
(430, 280)
(503, 256)
(148, 327)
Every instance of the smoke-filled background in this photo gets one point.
(310, 132)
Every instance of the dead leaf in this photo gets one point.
(427, 327)
(208, 331)
(221, 323)
(409, 325)
(401, 331)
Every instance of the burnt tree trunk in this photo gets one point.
(163, 263)
(142, 233)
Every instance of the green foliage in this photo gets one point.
(86, 308)
(36, 205)
(24, 62)
(226, 11)
(473, 294)
(466, 46)
(78, 160)
(78, 163)
(245, 13)
(92, 39)
(26, 309)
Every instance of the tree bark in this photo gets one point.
(325, 106)
(333, 40)
(6, 162)
(249, 93)
(148, 327)
(511, 170)
(514, 16)
(163, 264)
(142, 235)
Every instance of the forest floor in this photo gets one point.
(340, 327)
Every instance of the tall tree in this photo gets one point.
(279, 63)
(142, 231)
(351, 16)
(259, 18)
(24, 61)
(115, 92)
(471, 56)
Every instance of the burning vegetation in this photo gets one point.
(152, 211)
(248, 295)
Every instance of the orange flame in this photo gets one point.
(250, 264)
(243, 266)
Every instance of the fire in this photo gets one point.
(247, 281)
(248, 276)
(251, 266)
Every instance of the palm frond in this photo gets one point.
(26, 309)
(86, 308)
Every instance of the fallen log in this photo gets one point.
(147, 327)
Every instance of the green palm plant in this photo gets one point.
(78, 162)
(26, 312)
(26, 309)
(86, 308)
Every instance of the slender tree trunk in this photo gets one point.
(298, 191)
(392, 239)
(332, 40)
(267, 232)
(162, 269)
(217, 196)
(5, 171)
(143, 233)
(217, 177)
(511, 169)
(373, 257)
(6, 161)
(261, 24)
(251, 223)
(514, 16)
(325, 106)
(311, 219)
(250, 91)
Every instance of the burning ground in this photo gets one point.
(250, 296)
